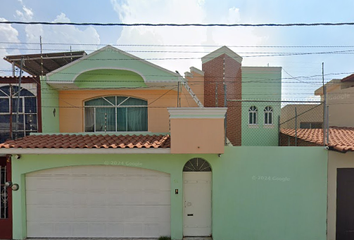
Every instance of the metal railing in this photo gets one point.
(3, 194)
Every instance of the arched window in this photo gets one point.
(268, 115)
(116, 113)
(252, 115)
(197, 165)
(19, 105)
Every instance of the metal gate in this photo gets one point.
(5, 199)
(345, 198)
(4, 212)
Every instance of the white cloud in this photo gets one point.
(8, 36)
(26, 14)
(234, 15)
(159, 11)
(183, 11)
(66, 35)
(19, 14)
(56, 34)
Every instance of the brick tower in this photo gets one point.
(223, 66)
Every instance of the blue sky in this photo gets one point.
(190, 11)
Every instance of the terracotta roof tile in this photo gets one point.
(89, 141)
(340, 138)
(15, 77)
(349, 78)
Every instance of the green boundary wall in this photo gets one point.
(265, 193)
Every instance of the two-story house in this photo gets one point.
(129, 149)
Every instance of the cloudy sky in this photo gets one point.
(296, 49)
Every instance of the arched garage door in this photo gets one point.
(98, 201)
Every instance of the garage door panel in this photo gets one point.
(79, 198)
(40, 214)
(97, 229)
(80, 213)
(61, 197)
(116, 199)
(80, 229)
(133, 229)
(133, 197)
(154, 197)
(114, 212)
(41, 229)
(98, 201)
(63, 214)
(116, 184)
(63, 227)
(39, 183)
(114, 229)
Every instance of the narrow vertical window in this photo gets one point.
(252, 115)
(268, 115)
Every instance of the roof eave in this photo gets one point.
(67, 151)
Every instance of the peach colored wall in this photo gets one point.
(196, 83)
(72, 111)
(201, 135)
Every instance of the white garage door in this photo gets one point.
(98, 201)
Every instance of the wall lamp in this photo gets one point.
(17, 156)
(13, 186)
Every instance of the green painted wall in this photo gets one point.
(270, 193)
(110, 79)
(267, 193)
(112, 58)
(260, 84)
(50, 108)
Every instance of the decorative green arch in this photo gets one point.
(109, 78)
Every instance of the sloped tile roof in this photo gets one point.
(349, 78)
(340, 138)
(89, 141)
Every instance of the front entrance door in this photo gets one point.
(5, 200)
(345, 200)
(197, 203)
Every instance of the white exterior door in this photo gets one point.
(197, 203)
(98, 201)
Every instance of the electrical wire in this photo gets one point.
(181, 24)
(179, 45)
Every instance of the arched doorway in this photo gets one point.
(197, 198)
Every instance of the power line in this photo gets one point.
(258, 54)
(180, 45)
(181, 24)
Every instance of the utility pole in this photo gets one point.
(18, 97)
(324, 107)
(178, 99)
(41, 48)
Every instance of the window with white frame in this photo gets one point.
(115, 114)
(252, 115)
(18, 108)
(268, 115)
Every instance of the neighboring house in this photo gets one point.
(339, 139)
(20, 111)
(129, 149)
(302, 116)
